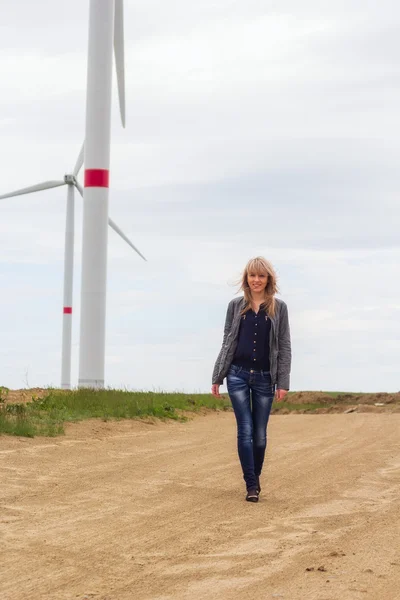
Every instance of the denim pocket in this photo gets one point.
(266, 375)
(234, 370)
(266, 379)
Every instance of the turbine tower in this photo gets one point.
(71, 181)
(105, 29)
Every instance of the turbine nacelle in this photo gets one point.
(70, 179)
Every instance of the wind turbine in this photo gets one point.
(106, 28)
(71, 181)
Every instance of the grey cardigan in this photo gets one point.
(279, 344)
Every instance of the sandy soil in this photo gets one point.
(140, 511)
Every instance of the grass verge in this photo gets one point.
(47, 416)
(31, 415)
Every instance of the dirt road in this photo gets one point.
(135, 511)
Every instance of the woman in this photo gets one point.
(255, 358)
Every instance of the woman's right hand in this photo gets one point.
(215, 390)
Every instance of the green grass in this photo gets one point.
(48, 415)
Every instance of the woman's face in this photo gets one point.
(257, 281)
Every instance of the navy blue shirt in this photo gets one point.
(252, 351)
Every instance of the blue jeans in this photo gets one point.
(251, 394)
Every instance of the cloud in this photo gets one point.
(252, 128)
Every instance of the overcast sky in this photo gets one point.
(257, 127)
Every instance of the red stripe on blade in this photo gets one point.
(97, 178)
(67, 310)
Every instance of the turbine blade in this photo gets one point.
(79, 161)
(127, 240)
(46, 185)
(79, 188)
(120, 55)
(115, 227)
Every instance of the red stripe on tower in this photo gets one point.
(67, 310)
(97, 178)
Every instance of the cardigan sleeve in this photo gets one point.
(227, 328)
(284, 350)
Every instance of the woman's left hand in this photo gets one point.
(280, 394)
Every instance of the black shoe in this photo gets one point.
(258, 485)
(252, 495)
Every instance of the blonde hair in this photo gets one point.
(260, 266)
